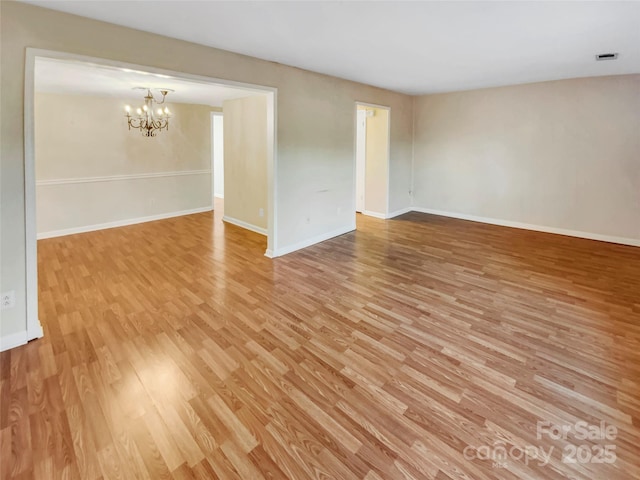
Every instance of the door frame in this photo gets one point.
(212, 165)
(34, 328)
(361, 170)
(384, 215)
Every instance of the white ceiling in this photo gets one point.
(77, 78)
(412, 47)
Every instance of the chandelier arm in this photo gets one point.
(132, 123)
(164, 97)
(146, 121)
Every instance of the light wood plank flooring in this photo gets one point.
(176, 350)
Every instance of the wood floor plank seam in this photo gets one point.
(174, 349)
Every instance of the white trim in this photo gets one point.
(412, 185)
(382, 216)
(248, 226)
(272, 170)
(356, 165)
(120, 223)
(218, 196)
(354, 187)
(528, 226)
(72, 57)
(116, 178)
(402, 211)
(372, 105)
(369, 213)
(13, 340)
(211, 159)
(211, 122)
(34, 328)
(388, 196)
(310, 241)
(388, 205)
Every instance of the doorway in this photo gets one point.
(217, 163)
(34, 328)
(361, 147)
(372, 152)
(217, 154)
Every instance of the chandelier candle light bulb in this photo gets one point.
(148, 121)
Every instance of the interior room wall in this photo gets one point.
(376, 161)
(245, 158)
(315, 130)
(91, 171)
(361, 156)
(218, 155)
(562, 154)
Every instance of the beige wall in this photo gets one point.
(563, 154)
(218, 155)
(315, 127)
(245, 160)
(377, 161)
(79, 138)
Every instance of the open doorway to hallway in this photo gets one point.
(217, 155)
(217, 163)
(372, 160)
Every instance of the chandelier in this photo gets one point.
(148, 121)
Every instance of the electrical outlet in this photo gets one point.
(8, 300)
(261, 212)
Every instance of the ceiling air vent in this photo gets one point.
(606, 56)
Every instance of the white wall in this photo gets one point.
(217, 125)
(361, 157)
(315, 129)
(91, 171)
(563, 154)
(376, 176)
(245, 154)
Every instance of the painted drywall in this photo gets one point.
(376, 176)
(315, 128)
(80, 168)
(563, 154)
(218, 155)
(245, 154)
(361, 156)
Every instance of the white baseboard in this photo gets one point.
(217, 195)
(369, 213)
(387, 216)
(528, 226)
(13, 340)
(34, 331)
(120, 223)
(268, 253)
(310, 241)
(397, 213)
(248, 226)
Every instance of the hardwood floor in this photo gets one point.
(410, 349)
